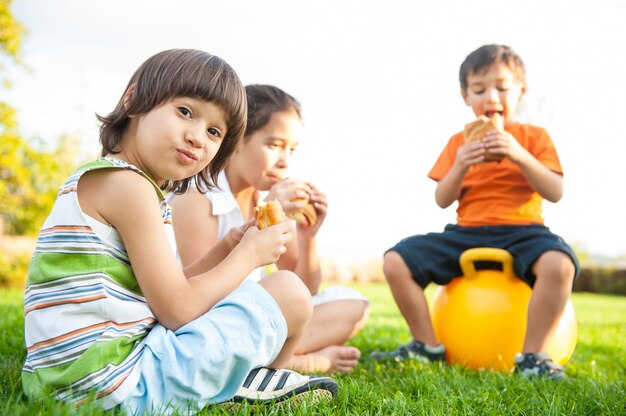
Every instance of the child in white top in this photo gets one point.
(260, 164)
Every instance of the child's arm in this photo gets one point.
(308, 264)
(196, 233)
(129, 203)
(449, 187)
(544, 181)
(301, 256)
(194, 225)
(218, 252)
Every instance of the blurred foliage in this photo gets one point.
(11, 31)
(601, 280)
(30, 179)
(29, 175)
(13, 270)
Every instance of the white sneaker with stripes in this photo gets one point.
(266, 385)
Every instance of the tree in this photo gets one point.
(11, 35)
(30, 179)
(29, 176)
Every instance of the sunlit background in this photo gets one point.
(378, 81)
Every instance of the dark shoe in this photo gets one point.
(268, 386)
(538, 364)
(414, 350)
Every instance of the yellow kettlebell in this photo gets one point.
(481, 316)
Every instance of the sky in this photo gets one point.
(378, 83)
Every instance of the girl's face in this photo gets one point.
(175, 140)
(262, 158)
(496, 90)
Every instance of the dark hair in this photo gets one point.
(182, 73)
(484, 57)
(265, 100)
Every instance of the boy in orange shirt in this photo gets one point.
(499, 206)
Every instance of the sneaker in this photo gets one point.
(538, 364)
(267, 386)
(414, 350)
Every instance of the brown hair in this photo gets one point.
(182, 73)
(484, 57)
(265, 100)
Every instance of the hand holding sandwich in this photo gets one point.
(485, 140)
(307, 206)
(267, 241)
(500, 144)
(302, 202)
(496, 142)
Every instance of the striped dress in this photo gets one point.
(84, 314)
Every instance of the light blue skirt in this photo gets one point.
(207, 360)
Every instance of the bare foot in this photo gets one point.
(329, 359)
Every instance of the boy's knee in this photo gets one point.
(394, 265)
(556, 266)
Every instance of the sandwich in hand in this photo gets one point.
(305, 215)
(478, 129)
(268, 214)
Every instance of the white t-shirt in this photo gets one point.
(225, 208)
(228, 214)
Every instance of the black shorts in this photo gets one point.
(434, 257)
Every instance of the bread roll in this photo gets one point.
(306, 215)
(478, 129)
(268, 214)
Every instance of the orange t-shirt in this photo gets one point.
(497, 193)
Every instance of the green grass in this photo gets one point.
(595, 386)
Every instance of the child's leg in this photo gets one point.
(409, 297)
(211, 358)
(332, 325)
(553, 286)
(294, 300)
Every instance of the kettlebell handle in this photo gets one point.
(472, 255)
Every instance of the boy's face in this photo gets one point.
(495, 90)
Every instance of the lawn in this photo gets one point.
(595, 384)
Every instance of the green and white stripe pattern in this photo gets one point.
(85, 315)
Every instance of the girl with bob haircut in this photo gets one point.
(110, 317)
